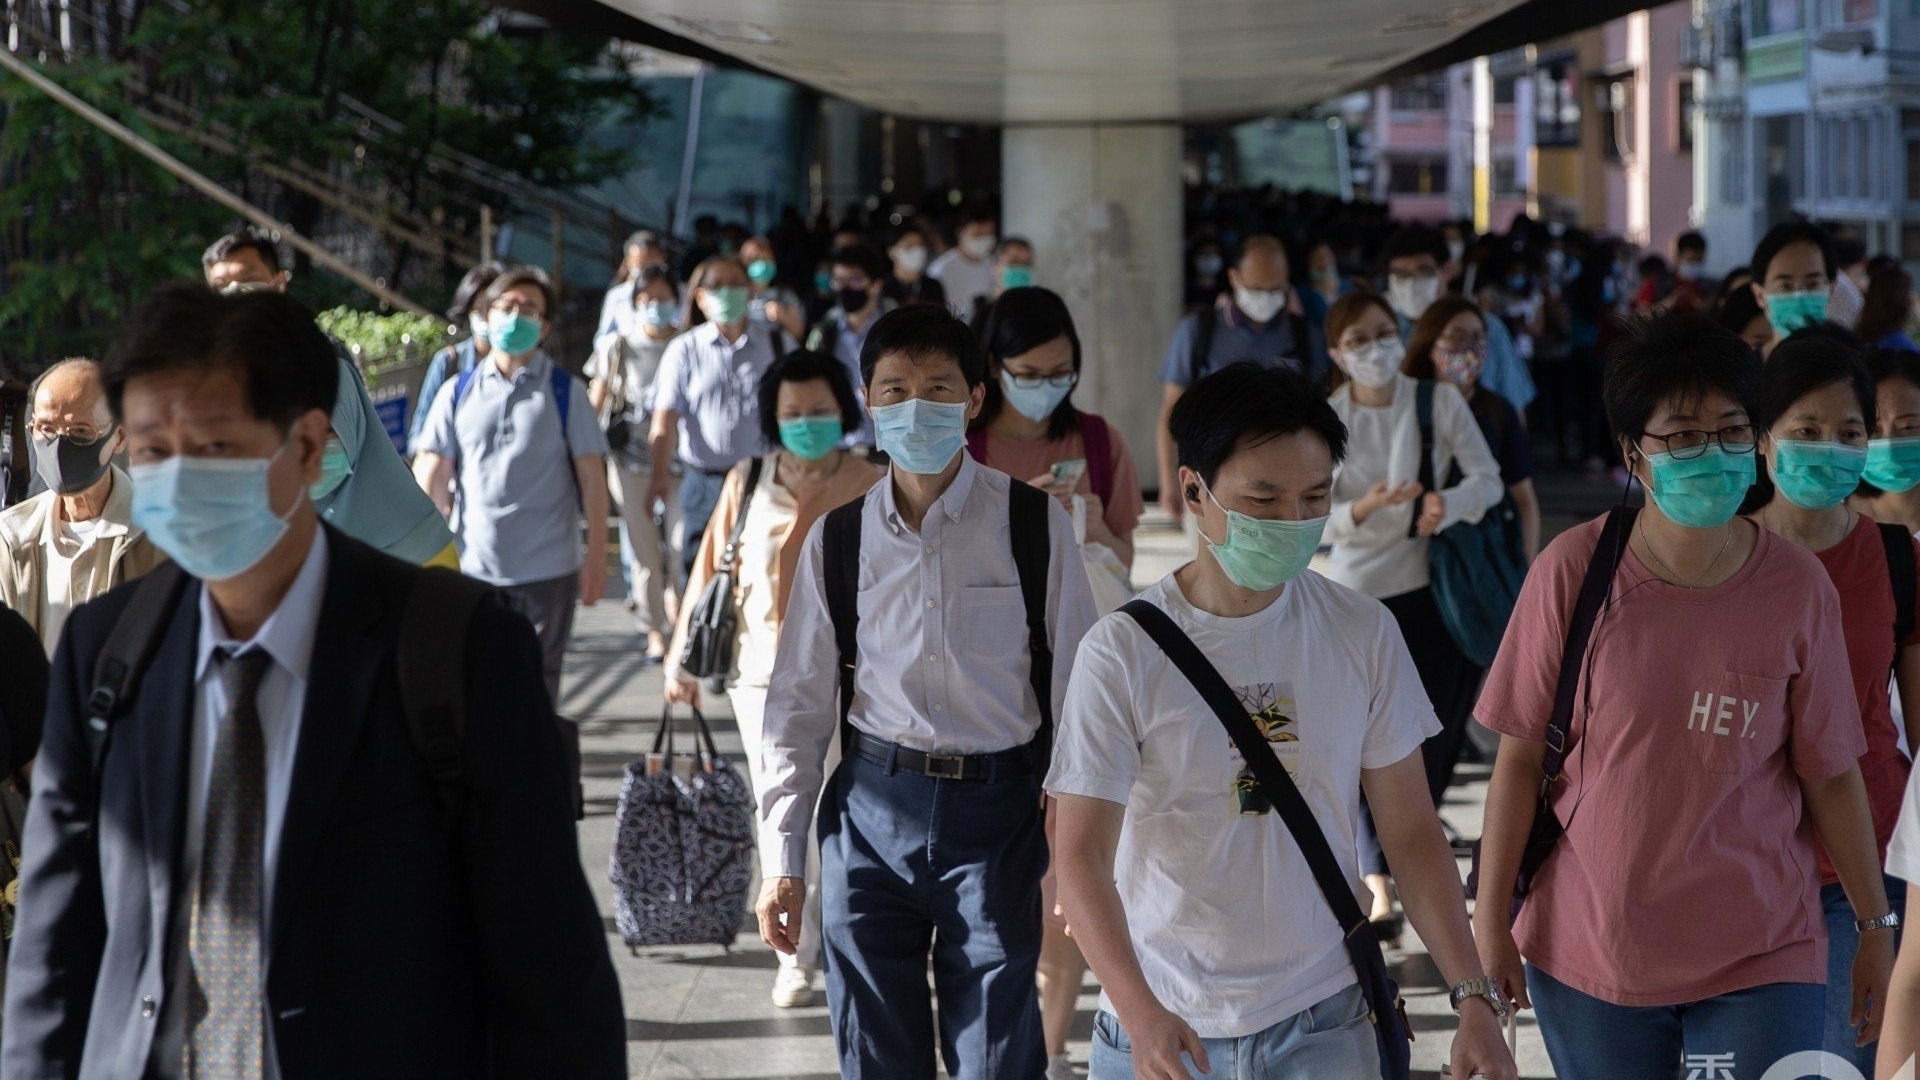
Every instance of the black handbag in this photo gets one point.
(1547, 829)
(1385, 1008)
(714, 626)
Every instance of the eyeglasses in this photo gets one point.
(1734, 439)
(1035, 382)
(78, 436)
(517, 307)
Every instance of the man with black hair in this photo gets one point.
(1794, 268)
(966, 270)
(858, 276)
(244, 260)
(238, 861)
(1188, 892)
(1417, 267)
(932, 624)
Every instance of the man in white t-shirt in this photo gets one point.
(1185, 889)
(966, 270)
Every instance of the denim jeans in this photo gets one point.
(1744, 1033)
(1843, 943)
(1331, 1039)
(699, 494)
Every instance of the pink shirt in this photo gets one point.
(1688, 869)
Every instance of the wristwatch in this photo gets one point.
(1483, 986)
(1885, 922)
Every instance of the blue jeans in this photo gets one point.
(699, 494)
(1843, 943)
(1745, 1032)
(1331, 1039)
(911, 865)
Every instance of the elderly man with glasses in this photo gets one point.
(75, 540)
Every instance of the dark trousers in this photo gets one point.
(912, 865)
(549, 606)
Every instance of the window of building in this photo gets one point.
(1504, 91)
(1418, 177)
(1426, 93)
(1613, 96)
(1556, 100)
(1686, 115)
(1776, 17)
(1506, 177)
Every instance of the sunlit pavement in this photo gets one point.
(705, 1012)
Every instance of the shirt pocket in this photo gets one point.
(1742, 726)
(992, 623)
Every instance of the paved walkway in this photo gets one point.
(704, 1011)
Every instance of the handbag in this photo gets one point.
(683, 845)
(1385, 1008)
(1595, 590)
(1476, 567)
(713, 629)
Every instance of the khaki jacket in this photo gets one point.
(26, 532)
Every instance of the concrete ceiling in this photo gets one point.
(1102, 61)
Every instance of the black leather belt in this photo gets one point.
(1006, 763)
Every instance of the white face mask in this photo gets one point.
(912, 260)
(1374, 365)
(1412, 296)
(1456, 249)
(1260, 305)
(977, 247)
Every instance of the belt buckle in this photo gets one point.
(946, 766)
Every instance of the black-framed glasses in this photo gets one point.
(1035, 382)
(1734, 439)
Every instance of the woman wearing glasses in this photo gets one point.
(1029, 427)
(1714, 736)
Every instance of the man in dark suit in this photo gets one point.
(259, 881)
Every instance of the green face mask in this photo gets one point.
(727, 304)
(1261, 555)
(1016, 277)
(811, 438)
(1701, 492)
(334, 470)
(761, 271)
(1893, 465)
(1817, 475)
(1787, 312)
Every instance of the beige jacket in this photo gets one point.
(26, 532)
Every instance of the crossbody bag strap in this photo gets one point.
(730, 553)
(1593, 596)
(1423, 413)
(840, 552)
(1901, 574)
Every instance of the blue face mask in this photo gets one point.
(1817, 475)
(334, 470)
(213, 516)
(1787, 312)
(811, 438)
(761, 271)
(1702, 492)
(1016, 277)
(1261, 555)
(659, 314)
(513, 333)
(1035, 403)
(922, 437)
(1893, 465)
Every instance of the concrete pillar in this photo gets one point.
(1102, 205)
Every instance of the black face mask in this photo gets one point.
(67, 466)
(852, 300)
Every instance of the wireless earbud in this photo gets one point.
(1193, 493)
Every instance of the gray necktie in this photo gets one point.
(225, 1011)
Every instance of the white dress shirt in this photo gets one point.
(288, 637)
(943, 665)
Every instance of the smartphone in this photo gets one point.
(1067, 473)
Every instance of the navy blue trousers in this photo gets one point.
(911, 865)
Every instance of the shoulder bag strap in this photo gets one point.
(1901, 574)
(432, 666)
(730, 553)
(1205, 325)
(1594, 591)
(1027, 518)
(1423, 411)
(129, 648)
(840, 551)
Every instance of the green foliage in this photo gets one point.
(380, 341)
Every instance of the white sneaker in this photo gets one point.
(793, 987)
(1061, 1068)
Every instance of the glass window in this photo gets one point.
(1687, 114)
(1423, 177)
(1776, 17)
(1556, 100)
(1422, 94)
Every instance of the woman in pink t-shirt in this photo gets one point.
(1714, 732)
(1816, 410)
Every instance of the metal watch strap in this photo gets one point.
(1481, 986)
(1885, 922)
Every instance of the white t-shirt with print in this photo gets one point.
(1232, 933)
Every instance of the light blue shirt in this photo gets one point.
(516, 495)
(713, 386)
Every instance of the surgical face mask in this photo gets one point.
(69, 467)
(1036, 403)
(1209, 265)
(1557, 264)
(1456, 250)
(761, 271)
(1790, 311)
(811, 438)
(823, 282)
(1260, 305)
(512, 332)
(911, 259)
(1689, 271)
(1817, 475)
(921, 436)
(851, 299)
(659, 314)
(1412, 296)
(335, 467)
(1016, 277)
(1376, 364)
(1516, 283)
(1893, 465)
(725, 303)
(1701, 492)
(978, 247)
(1461, 367)
(1260, 555)
(1328, 276)
(213, 516)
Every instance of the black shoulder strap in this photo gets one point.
(1274, 781)
(1204, 328)
(840, 551)
(1901, 574)
(1032, 548)
(728, 553)
(1594, 591)
(433, 677)
(1423, 411)
(129, 648)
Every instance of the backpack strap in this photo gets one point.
(840, 552)
(1594, 593)
(1097, 442)
(1205, 325)
(128, 650)
(1901, 575)
(1032, 548)
(432, 667)
(1423, 411)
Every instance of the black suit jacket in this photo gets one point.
(400, 947)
